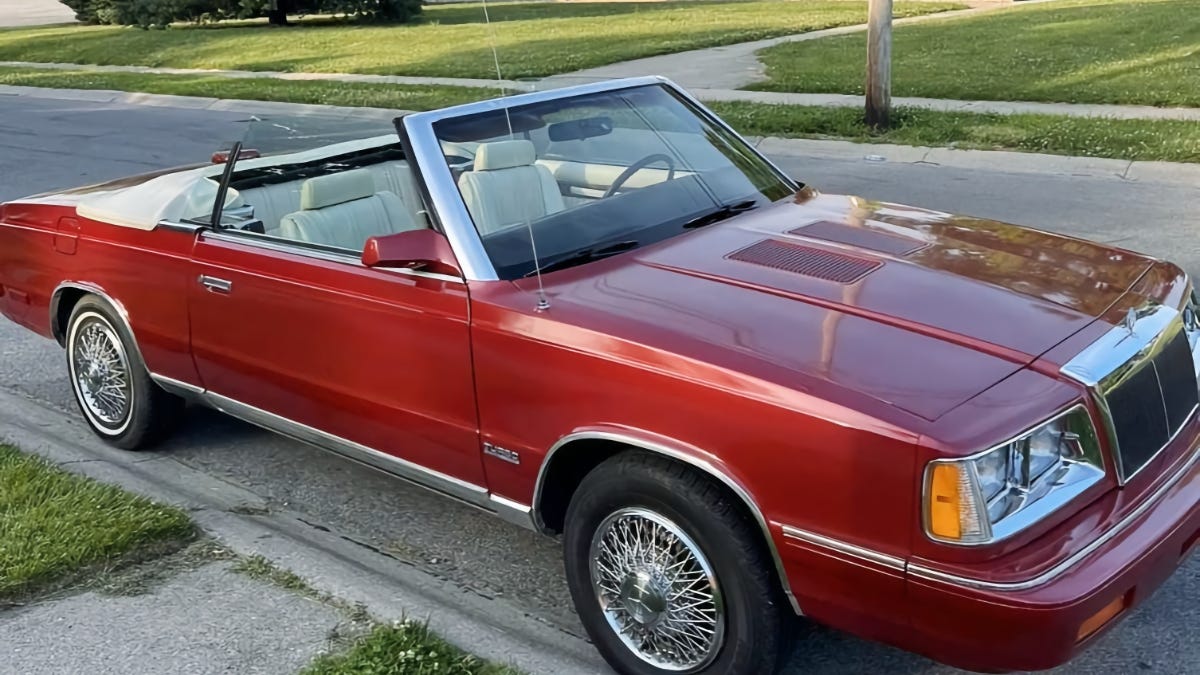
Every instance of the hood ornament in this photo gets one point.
(1130, 322)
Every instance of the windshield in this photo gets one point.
(598, 174)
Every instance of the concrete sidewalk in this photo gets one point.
(736, 66)
(203, 621)
(704, 93)
(230, 614)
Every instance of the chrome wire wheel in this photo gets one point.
(657, 590)
(100, 372)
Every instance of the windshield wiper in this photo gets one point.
(586, 255)
(721, 213)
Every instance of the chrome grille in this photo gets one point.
(1143, 375)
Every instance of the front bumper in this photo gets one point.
(1043, 622)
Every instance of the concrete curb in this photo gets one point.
(704, 90)
(1127, 112)
(1119, 170)
(1011, 162)
(352, 571)
(280, 75)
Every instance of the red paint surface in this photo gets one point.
(821, 400)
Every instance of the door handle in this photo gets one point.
(216, 285)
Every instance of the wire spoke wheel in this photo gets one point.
(100, 370)
(657, 590)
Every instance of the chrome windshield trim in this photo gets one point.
(347, 258)
(717, 120)
(668, 451)
(451, 210)
(924, 572)
(889, 561)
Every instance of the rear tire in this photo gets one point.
(669, 574)
(112, 387)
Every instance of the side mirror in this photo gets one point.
(412, 249)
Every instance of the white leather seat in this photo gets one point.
(397, 177)
(506, 187)
(344, 210)
(272, 202)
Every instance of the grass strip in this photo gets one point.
(320, 92)
(533, 39)
(1142, 140)
(1144, 52)
(404, 648)
(54, 524)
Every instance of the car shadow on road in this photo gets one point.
(464, 546)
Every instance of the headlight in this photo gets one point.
(994, 494)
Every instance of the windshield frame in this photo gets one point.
(436, 179)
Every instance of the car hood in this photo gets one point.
(912, 308)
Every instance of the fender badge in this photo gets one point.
(511, 456)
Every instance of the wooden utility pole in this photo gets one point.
(879, 64)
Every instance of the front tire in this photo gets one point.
(112, 387)
(668, 572)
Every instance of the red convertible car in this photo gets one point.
(598, 311)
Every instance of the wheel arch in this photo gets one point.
(68, 294)
(577, 453)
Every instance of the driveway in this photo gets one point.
(34, 12)
(52, 144)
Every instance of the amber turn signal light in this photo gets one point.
(945, 501)
(1101, 618)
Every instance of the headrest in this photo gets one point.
(504, 155)
(336, 188)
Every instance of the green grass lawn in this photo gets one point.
(1166, 140)
(407, 648)
(53, 523)
(1157, 140)
(533, 39)
(1076, 51)
(322, 92)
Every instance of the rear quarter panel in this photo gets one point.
(144, 272)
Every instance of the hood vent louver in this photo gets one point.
(874, 240)
(806, 260)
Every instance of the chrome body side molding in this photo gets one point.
(177, 387)
(470, 493)
(675, 454)
(462, 491)
(882, 559)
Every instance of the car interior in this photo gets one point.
(343, 201)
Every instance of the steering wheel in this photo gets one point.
(638, 166)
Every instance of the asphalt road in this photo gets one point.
(47, 144)
(34, 12)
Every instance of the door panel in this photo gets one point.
(377, 357)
